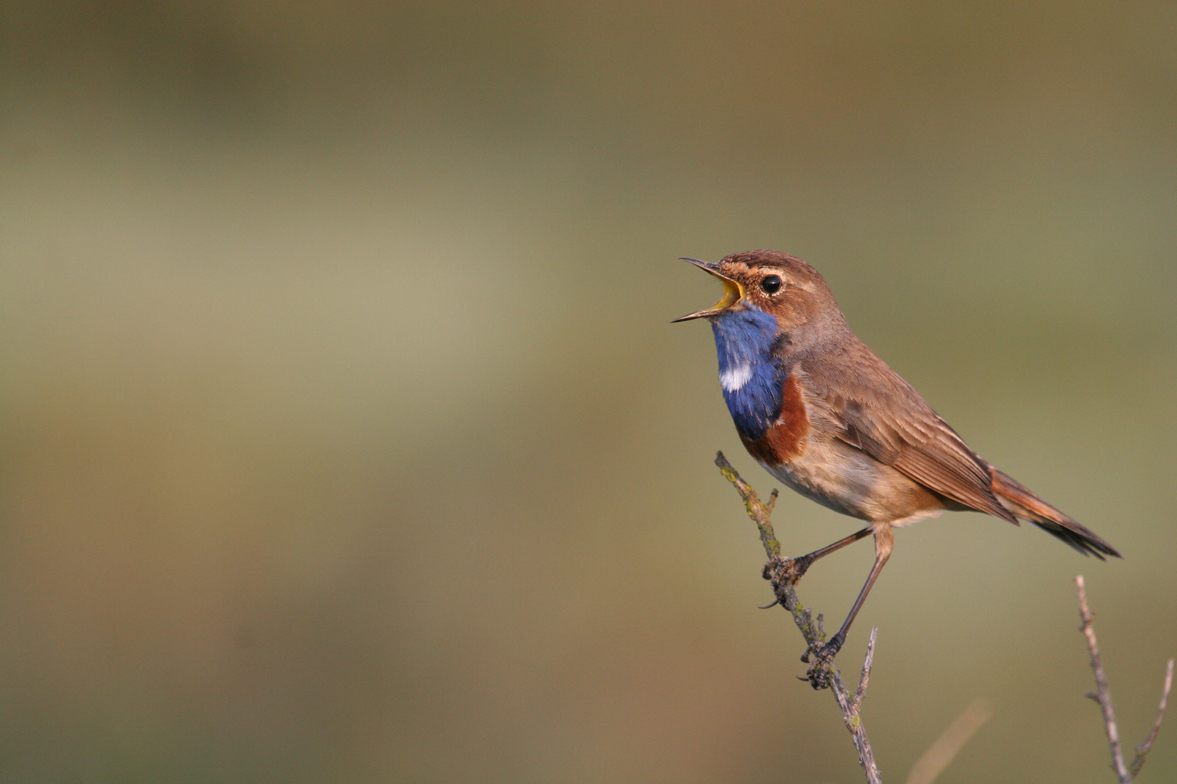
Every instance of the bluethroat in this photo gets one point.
(825, 416)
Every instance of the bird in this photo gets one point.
(821, 413)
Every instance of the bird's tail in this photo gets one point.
(1024, 505)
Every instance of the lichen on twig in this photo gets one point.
(777, 571)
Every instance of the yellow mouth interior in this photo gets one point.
(732, 293)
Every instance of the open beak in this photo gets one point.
(732, 292)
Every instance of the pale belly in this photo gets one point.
(849, 481)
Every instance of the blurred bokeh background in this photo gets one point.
(345, 436)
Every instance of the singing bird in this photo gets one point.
(825, 416)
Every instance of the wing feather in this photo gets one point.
(875, 410)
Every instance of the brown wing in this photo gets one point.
(871, 408)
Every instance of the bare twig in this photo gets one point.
(867, 663)
(1142, 749)
(810, 627)
(1103, 696)
(955, 736)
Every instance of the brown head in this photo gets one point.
(775, 283)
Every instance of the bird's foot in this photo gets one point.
(786, 571)
(820, 658)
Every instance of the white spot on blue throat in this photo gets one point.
(734, 378)
(751, 377)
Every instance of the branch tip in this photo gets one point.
(1143, 748)
(1102, 695)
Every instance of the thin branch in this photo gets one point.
(941, 753)
(867, 663)
(772, 497)
(1142, 749)
(757, 511)
(811, 628)
(1102, 694)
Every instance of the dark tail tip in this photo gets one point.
(1025, 505)
(1082, 539)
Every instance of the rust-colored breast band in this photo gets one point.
(785, 440)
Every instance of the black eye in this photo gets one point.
(771, 284)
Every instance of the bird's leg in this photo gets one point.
(823, 653)
(787, 571)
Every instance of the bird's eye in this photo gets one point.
(771, 284)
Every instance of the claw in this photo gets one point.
(786, 571)
(820, 658)
(821, 667)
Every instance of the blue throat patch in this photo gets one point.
(743, 340)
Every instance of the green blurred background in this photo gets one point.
(345, 436)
